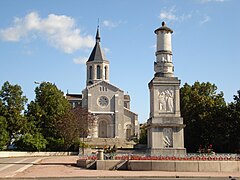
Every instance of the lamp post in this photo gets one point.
(37, 82)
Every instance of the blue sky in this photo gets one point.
(46, 40)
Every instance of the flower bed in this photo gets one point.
(188, 157)
(184, 158)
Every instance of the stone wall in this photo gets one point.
(149, 165)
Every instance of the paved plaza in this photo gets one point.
(65, 166)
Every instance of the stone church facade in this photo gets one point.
(115, 123)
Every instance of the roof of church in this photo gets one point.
(126, 109)
(106, 83)
(97, 53)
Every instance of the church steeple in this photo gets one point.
(97, 35)
(97, 64)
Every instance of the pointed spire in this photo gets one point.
(97, 53)
(97, 35)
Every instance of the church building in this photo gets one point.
(115, 123)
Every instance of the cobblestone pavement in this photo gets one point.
(65, 166)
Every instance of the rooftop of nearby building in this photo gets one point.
(73, 96)
(126, 97)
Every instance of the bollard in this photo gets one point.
(100, 154)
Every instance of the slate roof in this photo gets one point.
(97, 53)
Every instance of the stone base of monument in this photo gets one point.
(156, 165)
(177, 152)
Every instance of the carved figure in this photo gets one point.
(169, 100)
(165, 100)
(162, 102)
(167, 137)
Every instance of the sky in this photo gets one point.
(42, 40)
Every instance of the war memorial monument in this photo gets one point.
(165, 125)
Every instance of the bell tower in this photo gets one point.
(97, 64)
(165, 124)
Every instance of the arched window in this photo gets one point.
(105, 70)
(98, 72)
(90, 72)
(128, 131)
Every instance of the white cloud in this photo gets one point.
(80, 60)
(106, 50)
(170, 15)
(111, 24)
(59, 30)
(205, 20)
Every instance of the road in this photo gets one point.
(64, 167)
(9, 167)
(77, 178)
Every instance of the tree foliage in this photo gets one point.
(75, 124)
(31, 142)
(143, 135)
(12, 106)
(233, 125)
(206, 116)
(4, 136)
(48, 107)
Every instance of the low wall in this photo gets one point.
(185, 166)
(21, 153)
(103, 164)
(155, 165)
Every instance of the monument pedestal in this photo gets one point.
(165, 125)
(167, 152)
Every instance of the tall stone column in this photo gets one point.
(165, 125)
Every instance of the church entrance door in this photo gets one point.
(102, 129)
(128, 133)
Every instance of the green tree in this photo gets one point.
(203, 111)
(31, 142)
(49, 106)
(12, 106)
(4, 136)
(233, 125)
(75, 124)
(143, 134)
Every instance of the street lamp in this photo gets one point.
(37, 82)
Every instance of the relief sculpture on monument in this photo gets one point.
(165, 99)
(167, 137)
